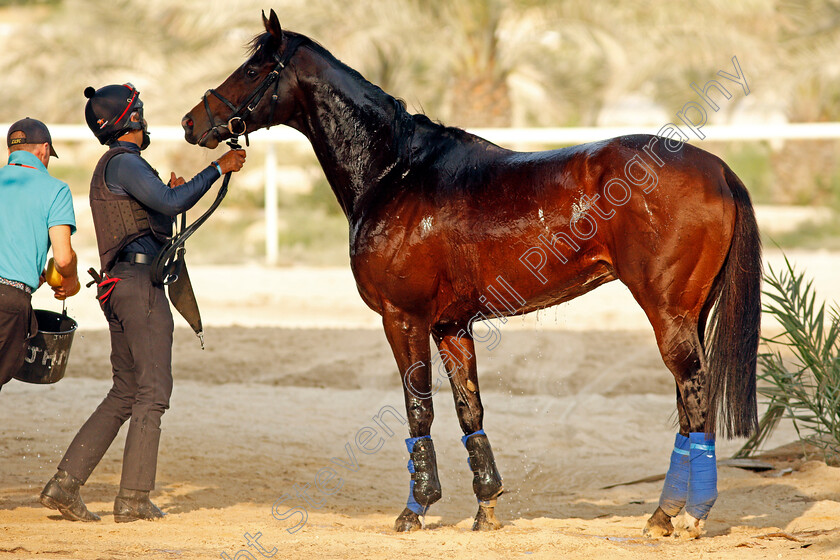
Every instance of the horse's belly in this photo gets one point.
(509, 287)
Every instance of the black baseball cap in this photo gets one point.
(35, 132)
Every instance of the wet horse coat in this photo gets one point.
(440, 220)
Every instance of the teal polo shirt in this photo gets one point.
(31, 202)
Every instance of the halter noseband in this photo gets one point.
(236, 123)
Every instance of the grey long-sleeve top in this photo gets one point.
(129, 174)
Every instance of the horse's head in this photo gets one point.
(256, 95)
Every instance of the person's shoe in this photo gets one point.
(62, 493)
(131, 505)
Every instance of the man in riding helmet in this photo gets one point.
(133, 214)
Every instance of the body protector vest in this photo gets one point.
(120, 219)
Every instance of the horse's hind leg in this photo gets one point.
(409, 340)
(691, 482)
(457, 351)
(675, 488)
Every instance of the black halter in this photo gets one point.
(236, 123)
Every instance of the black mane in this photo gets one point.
(263, 46)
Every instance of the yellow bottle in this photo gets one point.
(54, 278)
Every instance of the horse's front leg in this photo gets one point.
(409, 340)
(457, 351)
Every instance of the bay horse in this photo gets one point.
(447, 229)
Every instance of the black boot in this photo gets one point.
(487, 482)
(426, 482)
(62, 493)
(131, 505)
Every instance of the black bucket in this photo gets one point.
(48, 351)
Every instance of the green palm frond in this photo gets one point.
(806, 387)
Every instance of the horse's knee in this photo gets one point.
(487, 482)
(424, 488)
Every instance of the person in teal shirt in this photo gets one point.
(36, 212)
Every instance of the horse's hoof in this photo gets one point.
(486, 520)
(689, 527)
(407, 521)
(659, 525)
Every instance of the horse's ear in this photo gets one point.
(272, 25)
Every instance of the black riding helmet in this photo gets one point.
(109, 109)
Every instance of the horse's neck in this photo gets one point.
(352, 127)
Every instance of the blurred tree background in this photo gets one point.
(467, 63)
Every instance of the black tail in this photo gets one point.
(734, 324)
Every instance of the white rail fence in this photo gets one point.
(518, 138)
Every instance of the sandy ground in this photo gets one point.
(576, 398)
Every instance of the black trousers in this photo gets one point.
(17, 324)
(141, 328)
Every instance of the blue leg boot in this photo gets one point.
(702, 483)
(674, 491)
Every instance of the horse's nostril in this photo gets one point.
(187, 122)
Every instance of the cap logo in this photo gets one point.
(16, 141)
(102, 123)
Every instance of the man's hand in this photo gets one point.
(232, 161)
(69, 287)
(65, 262)
(175, 181)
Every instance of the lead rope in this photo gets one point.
(167, 263)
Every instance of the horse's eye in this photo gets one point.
(251, 73)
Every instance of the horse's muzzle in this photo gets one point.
(187, 123)
(208, 139)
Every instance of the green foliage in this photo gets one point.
(751, 162)
(313, 236)
(810, 33)
(30, 3)
(806, 387)
(813, 235)
(557, 62)
(320, 199)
